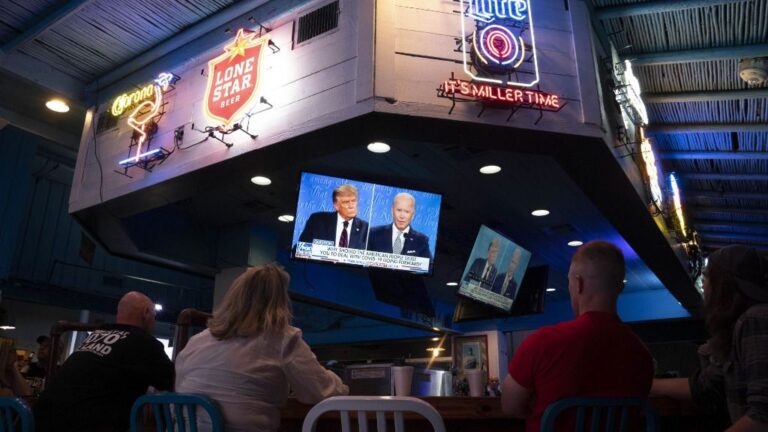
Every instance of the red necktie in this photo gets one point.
(344, 239)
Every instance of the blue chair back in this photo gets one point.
(176, 412)
(605, 414)
(12, 411)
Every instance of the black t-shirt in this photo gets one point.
(97, 385)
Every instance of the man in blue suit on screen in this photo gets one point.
(341, 228)
(505, 283)
(483, 270)
(399, 237)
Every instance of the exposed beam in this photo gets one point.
(43, 75)
(715, 245)
(698, 210)
(652, 7)
(721, 176)
(40, 128)
(706, 96)
(697, 55)
(708, 127)
(734, 235)
(757, 196)
(714, 225)
(717, 155)
(201, 28)
(65, 11)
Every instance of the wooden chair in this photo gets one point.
(381, 405)
(176, 412)
(56, 331)
(13, 411)
(187, 318)
(604, 413)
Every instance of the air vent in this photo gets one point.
(106, 122)
(317, 22)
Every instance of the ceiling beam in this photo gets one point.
(734, 210)
(697, 55)
(40, 128)
(653, 7)
(722, 155)
(721, 176)
(68, 9)
(43, 75)
(708, 127)
(716, 225)
(726, 195)
(705, 96)
(715, 245)
(735, 236)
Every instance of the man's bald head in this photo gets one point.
(596, 277)
(136, 309)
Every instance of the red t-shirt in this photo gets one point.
(594, 355)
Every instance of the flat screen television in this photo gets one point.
(352, 222)
(529, 299)
(494, 270)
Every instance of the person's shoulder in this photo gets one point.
(380, 229)
(418, 235)
(321, 215)
(758, 311)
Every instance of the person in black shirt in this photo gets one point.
(97, 385)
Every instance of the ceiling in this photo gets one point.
(705, 128)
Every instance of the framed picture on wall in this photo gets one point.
(470, 352)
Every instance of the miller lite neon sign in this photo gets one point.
(499, 47)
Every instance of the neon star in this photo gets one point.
(242, 42)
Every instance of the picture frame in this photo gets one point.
(470, 352)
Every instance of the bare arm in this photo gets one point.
(675, 388)
(747, 424)
(515, 399)
(17, 382)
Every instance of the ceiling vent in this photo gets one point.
(754, 70)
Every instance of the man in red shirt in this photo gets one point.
(593, 355)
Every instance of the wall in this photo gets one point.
(319, 82)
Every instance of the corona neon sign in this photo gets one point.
(677, 202)
(126, 101)
(650, 168)
(501, 42)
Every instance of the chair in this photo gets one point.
(56, 331)
(13, 410)
(378, 404)
(601, 410)
(176, 412)
(187, 318)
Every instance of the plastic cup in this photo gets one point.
(403, 375)
(475, 377)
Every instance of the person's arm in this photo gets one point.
(747, 424)
(751, 353)
(515, 399)
(18, 384)
(675, 388)
(310, 381)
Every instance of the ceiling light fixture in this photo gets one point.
(575, 243)
(378, 147)
(57, 105)
(540, 212)
(551, 289)
(490, 169)
(158, 307)
(7, 327)
(452, 283)
(261, 181)
(285, 218)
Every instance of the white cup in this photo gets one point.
(403, 375)
(475, 377)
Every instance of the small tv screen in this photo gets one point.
(494, 270)
(528, 301)
(347, 221)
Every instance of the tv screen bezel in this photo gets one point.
(292, 255)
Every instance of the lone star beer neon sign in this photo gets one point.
(233, 79)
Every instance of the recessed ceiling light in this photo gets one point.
(452, 283)
(540, 212)
(378, 147)
(625, 281)
(436, 328)
(490, 169)
(551, 289)
(285, 218)
(435, 339)
(158, 307)
(57, 105)
(7, 327)
(575, 243)
(261, 181)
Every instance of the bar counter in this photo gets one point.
(483, 414)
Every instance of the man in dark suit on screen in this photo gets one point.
(483, 270)
(399, 237)
(341, 227)
(505, 283)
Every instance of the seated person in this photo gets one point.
(38, 368)
(594, 355)
(97, 385)
(11, 381)
(250, 355)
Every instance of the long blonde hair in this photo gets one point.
(257, 302)
(7, 353)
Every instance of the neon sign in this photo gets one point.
(628, 94)
(503, 95)
(677, 203)
(143, 120)
(500, 47)
(651, 169)
(233, 79)
(126, 101)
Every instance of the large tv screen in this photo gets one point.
(494, 270)
(346, 221)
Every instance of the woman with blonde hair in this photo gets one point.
(11, 381)
(250, 355)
